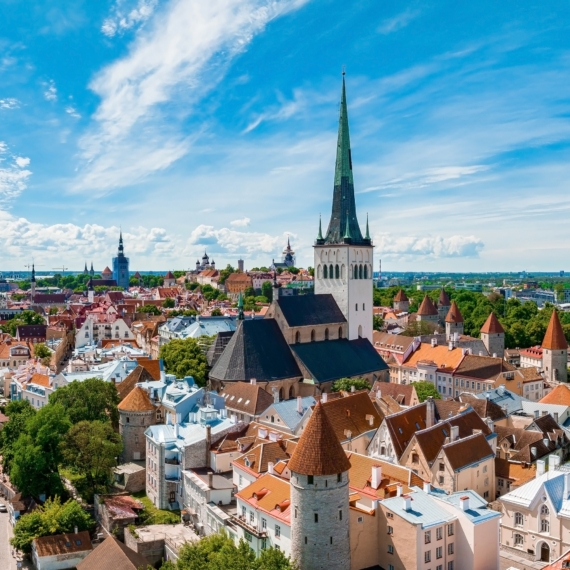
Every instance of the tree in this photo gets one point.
(91, 449)
(225, 273)
(418, 328)
(149, 309)
(24, 318)
(18, 412)
(273, 559)
(216, 313)
(42, 351)
(424, 390)
(169, 303)
(92, 399)
(346, 384)
(51, 518)
(267, 290)
(377, 322)
(185, 358)
(249, 292)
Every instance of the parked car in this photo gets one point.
(3, 508)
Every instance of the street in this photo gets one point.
(6, 560)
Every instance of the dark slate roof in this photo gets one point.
(334, 359)
(307, 310)
(256, 350)
(49, 298)
(31, 331)
(217, 347)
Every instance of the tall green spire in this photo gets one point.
(344, 205)
(320, 236)
(347, 231)
(240, 308)
(367, 236)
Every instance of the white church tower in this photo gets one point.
(343, 258)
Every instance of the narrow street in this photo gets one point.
(7, 562)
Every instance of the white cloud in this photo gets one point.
(50, 90)
(126, 15)
(232, 241)
(398, 22)
(9, 103)
(175, 60)
(241, 222)
(13, 174)
(423, 247)
(72, 112)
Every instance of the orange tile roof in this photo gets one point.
(270, 494)
(440, 354)
(136, 401)
(560, 395)
(454, 315)
(152, 366)
(492, 325)
(62, 544)
(427, 307)
(319, 451)
(554, 338)
(443, 299)
(400, 296)
(40, 380)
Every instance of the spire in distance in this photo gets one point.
(367, 236)
(121, 248)
(320, 234)
(33, 279)
(344, 205)
(240, 307)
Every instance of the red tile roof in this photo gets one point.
(62, 544)
(454, 315)
(492, 325)
(554, 338)
(443, 299)
(136, 401)
(560, 395)
(427, 307)
(400, 296)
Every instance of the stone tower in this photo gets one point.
(493, 336)
(428, 311)
(320, 525)
(443, 305)
(121, 266)
(401, 302)
(343, 257)
(136, 414)
(453, 322)
(555, 351)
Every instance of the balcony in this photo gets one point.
(240, 520)
(172, 461)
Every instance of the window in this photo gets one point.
(427, 536)
(312, 336)
(390, 549)
(519, 540)
(263, 524)
(390, 567)
(240, 480)
(339, 515)
(484, 469)
(243, 512)
(439, 552)
(544, 510)
(439, 567)
(263, 543)
(356, 307)
(310, 479)
(297, 337)
(248, 536)
(390, 530)
(438, 533)
(415, 458)
(326, 334)
(172, 497)
(337, 272)
(441, 480)
(251, 517)
(450, 565)
(339, 478)
(450, 548)
(442, 466)
(427, 556)
(390, 515)
(316, 517)
(450, 529)
(325, 272)
(277, 531)
(544, 525)
(128, 420)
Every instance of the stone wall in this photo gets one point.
(132, 432)
(152, 550)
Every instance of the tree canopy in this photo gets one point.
(169, 303)
(42, 351)
(24, 318)
(185, 358)
(426, 389)
(149, 309)
(346, 384)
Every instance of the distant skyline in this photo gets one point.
(212, 125)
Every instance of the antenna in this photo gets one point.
(63, 268)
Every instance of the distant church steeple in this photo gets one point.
(121, 265)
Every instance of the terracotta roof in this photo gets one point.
(484, 408)
(169, 275)
(440, 354)
(521, 440)
(492, 325)
(270, 494)
(113, 555)
(136, 401)
(258, 458)
(400, 296)
(151, 366)
(427, 307)
(560, 395)
(61, 544)
(560, 563)
(384, 341)
(554, 338)
(122, 506)
(483, 367)
(40, 380)
(518, 473)
(319, 451)
(106, 270)
(467, 451)
(244, 397)
(443, 299)
(404, 394)
(454, 315)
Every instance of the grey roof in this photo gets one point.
(287, 410)
(425, 510)
(177, 324)
(508, 400)
(257, 350)
(307, 310)
(208, 326)
(217, 347)
(478, 510)
(334, 359)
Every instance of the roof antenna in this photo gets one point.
(344, 69)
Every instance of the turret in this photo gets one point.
(401, 302)
(427, 311)
(443, 305)
(136, 414)
(555, 351)
(493, 336)
(453, 322)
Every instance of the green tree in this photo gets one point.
(149, 309)
(225, 273)
(377, 322)
(346, 384)
(267, 290)
(169, 303)
(90, 400)
(418, 328)
(42, 351)
(24, 318)
(273, 559)
(51, 518)
(18, 412)
(185, 358)
(216, 313)
(91, 449)
(249, 292)
(424, 390)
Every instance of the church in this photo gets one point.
(305, 343)
(121, 266)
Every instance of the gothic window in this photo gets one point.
(331, 271)
(544, 526)
(360, 272)
(337, 271)
(319, 271)
(297, 337)
(339, 332)
(356, 271)
(519, 519)
(544, 510)
(325, 272)
(519, 540)
(342, 272)
(326, 334)
(313, 335)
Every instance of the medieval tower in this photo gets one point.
(136, 414)
(493, 336)
(453, 322)
(555, 351)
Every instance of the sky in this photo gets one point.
(197, 126)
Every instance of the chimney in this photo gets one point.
(399, 490)
(253, 381)
(378, 394)
(407, 502)
(454, 433)
(352, 389)
(208, 444)
(324, 398)
(494, 355)
(456, 336)
(490, 424)
(76, 530)
(275, 395)
(553, 461)
(299, 405)
(376, 477)
(540, 467)
(430, 412)
(427, 487)
(270, 468)
(450, 345)
(176, 433)
(464, 501)
(210, 480)
(370, 419)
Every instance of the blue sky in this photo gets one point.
(212, 125)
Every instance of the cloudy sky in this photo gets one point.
(195, 125)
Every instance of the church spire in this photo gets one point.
(240, 307)
(367, 236)
(344, 205)
(33, 279)
(121, 248)
(320, 234)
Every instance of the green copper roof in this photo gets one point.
(320, 236)
(240, 307)
(367, 236)
(343, 217)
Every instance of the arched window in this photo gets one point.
(331, 271)
(337, 271)
(365, 271)
(382, 450)
(356, 271)
(319, 271)
(519, 519)
(342, 272)
(291, 393)
(360, 272)
(544, 525)
(313, 335)
(359, 331)
(281, 394)
(339, 332)
(326, 334)
(297, 337)
(325, 272)
(519, 540)
(544, 510)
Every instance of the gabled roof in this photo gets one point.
(308, 310)
(484, 408)
(62, 544)
(443, 300)
(270, 494)
(169, 275)
(560, 395)
(341, 358)
(217, 347)
(401, 296)
(402, 393)
(151, 366)
(427, 307)
(466, 451)
(518, 473)
(319, 451)
(249, 398)
(256, 350)
(113, 555)
(492, 325)
(454, 315)
(554, 338)
(136, 401)
(483, 367)
(258, 458)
